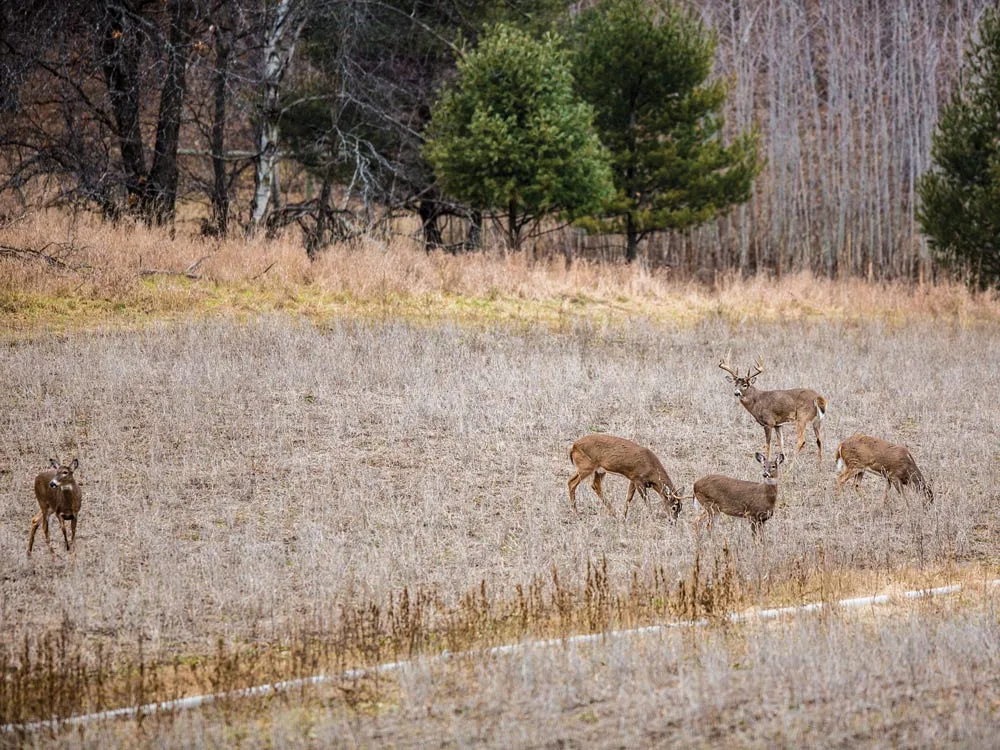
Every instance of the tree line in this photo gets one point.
(796, 135)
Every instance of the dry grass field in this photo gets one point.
(291, 472)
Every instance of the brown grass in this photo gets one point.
(276, 483)
(130, 275)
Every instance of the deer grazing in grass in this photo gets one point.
(754, 501)
(597, 454)
(57, 492)
(772, 409)
(861, 453)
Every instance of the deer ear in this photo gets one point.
(729, 379)
(53, 463)
(781, 458)
(759, 457)
(75, 465)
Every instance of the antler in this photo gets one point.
(758, 368)
(735, 375)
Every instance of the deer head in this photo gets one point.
(743, 383)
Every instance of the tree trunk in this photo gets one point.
(163, 175)
(631, 239)
(429, 212)
(318, 242)
(279, 45)
(220, 189)
(122, 52)
(513, 230)
(475, 239)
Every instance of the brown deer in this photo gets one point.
(861, 453)
(772, 409)
(57, 492)
(754, 501)
(597, 454)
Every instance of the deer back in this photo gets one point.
(880, 456)
(772, 408)
(620, 456)
(736, 497)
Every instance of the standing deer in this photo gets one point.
(754, 501)
(772, 409)
(57, 492)
(861, 453)
(597, 454)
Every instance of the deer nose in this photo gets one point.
(53, 484)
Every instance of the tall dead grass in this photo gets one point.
(136, 269)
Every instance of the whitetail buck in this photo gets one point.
(772, 409)
(861, 453)
(57, 492)
(597, 454)
(754, 501)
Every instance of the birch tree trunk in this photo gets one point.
(279, 45)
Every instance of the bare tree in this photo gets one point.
(283, 29)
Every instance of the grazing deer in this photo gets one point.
(861, 453)
(57, 492)
(754, 501)
(772, 409)
(597, 454)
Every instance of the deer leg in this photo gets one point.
(842, 478)
(34, 527)
(706, 516)
(800, 431)
(757, 527)
(898, 484)
(817, 427)
(857, 481)
(573, 484)
(45, 529)
(62, 526)
(644, 491)
(767, 439)
(628, 498)
(848, 474)
(598, 487)
(72, 526)
(699, 521)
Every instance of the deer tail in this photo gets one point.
(840, 459)
(820, 404)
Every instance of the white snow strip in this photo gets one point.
(195, 701)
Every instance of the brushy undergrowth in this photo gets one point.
(61, 273)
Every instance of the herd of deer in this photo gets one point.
(598, 454)
(58, 492)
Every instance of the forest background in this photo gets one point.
(312, 114)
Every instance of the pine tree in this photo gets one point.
(644, 67)
(960, 195)
(511, 138)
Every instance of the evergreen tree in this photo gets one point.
(644, 68)
(960, 196)
(511, 138)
